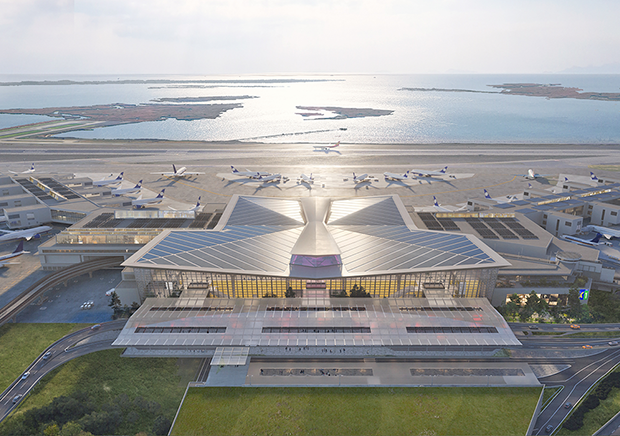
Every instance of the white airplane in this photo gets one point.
(134, 190)
(591, 243)
(181, 172)
(509, 199)
(18, 252)
(393, 176)
(361, 178)
(605, 231)
(326, 147)
(274, 178)
(28, 171)
(140, 202)
(28, 234)
(248, 173)
(195, 208)
(306, 179)
(423, 173)
(109, 182)
(531, 175)
(440, 208)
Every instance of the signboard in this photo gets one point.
(584, 294)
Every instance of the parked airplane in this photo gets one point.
(28, 171)
(440, 208)
(605, 231)
(28, 234)
(423, 173)
(143, 202)
(361, 178)
(248, 173)
(18, 252)
(591, 243)
(134, 190)
(109, 182)
(272, 178)
(393, 176)
(326, 147)
(181, 172)
(509, 199)
(306, 179)
(531, 175)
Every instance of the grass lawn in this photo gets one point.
(596, 418)
(20, 344)
(356, 411)
(105, 375)
(609, 334)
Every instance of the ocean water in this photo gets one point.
(418, 117)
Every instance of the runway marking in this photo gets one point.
(461, 190)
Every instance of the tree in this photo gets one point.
(71, 428)
(52, 430)
(115, 304)
(290, 293)
(359, 292)
(574, 303)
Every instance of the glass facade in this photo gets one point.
(472, 283)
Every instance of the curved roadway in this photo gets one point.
(62, 351)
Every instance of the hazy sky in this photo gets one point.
(279, 36)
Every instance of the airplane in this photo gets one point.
(276, 178)
(393, 176)
(181, 172)
(18, 252)
(248, 173)
(326, 147)
(140, 202)
(306, 179)
(28, 234)
(510, 198)
(591, 243)
(423, 173)
(439, 208)
(195, 208)
(109, 182)
(362, 178)
(531, 175)
(28, 171)
(134, 190)
(605, 231)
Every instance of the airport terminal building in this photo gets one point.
(318, 247)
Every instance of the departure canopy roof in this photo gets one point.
(315, 238)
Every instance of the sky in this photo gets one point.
(308, 36)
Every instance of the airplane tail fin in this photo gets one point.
(443, 170)
(435, 201)
(120, 176)
(138, 185)
(198, 202)
(566, 179)
(161, 194)
(596, 238)
(233, 169)
(32, 167)
(593, 177)
(486, 194)
(529, 186)
(174, 169)
(337, 144)
(20, 247)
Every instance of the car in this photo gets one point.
(95, 327)
(17, 397)
(586, 346)
(25, 376)
(575, 326)
(47, 355)
(568, 405)
(549, 428)
(612, 343)
(533, 327)
(110, 292)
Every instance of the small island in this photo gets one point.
(121, 113)
(341, 112)
(200, 99)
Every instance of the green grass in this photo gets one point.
(548, 395)
(20, 344)
(356, 411)
(547, 333)
(596, 418)
(105, 375)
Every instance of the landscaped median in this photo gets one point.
(356, 411)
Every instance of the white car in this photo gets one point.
(25, 376)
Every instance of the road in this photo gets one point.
(62, 351)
